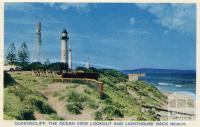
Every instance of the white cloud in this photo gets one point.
(132, 20)
(179, 17)
(34, 6)
(65, 6)
(20, 6)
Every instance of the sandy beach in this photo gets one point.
(180, 106)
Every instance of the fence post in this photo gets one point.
(100, 89)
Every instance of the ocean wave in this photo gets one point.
(178, 85)
(165, 84)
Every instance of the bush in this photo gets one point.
(112, 111)
(21, 91)
(39, 103)
(27, 113)
(104, 96)
(73, 97)
(114, 75)
(108, 101)
(98, 115)
(15, 109)
(76, 97)
(8, 80)
(59, 66)
(92, 104)
(53, 117)
(75, 108)
(35, 66)
(140, 118)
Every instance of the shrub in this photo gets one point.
(73, 97)
(53, 117)
(58, 66)
(92, 104)
(21, 91)
(112, 111)
(8, 80)
(122, 87)
(39, 103)
(34, 66)
(98, 115)
(27, 113)
(140, 118)
(104, 96)
(76, 97)
(114, 75)
(108, 101)
(75, 108)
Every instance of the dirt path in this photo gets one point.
(60, 105)
(39, 116)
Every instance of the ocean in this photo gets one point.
(169, 80)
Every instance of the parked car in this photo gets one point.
(12, 68)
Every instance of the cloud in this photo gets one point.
(132, 21)
(64, 6)
(135, 32)
(180, 17)
(21, 6)
(35, 6)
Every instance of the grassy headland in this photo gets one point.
(24, 97)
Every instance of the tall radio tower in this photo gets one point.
(38, 42)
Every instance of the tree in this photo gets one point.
(35, 66)
(11, 56)
(23, 54)
(58, 66)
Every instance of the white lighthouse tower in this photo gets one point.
(38, 43)
(64, 46)
(70, 58)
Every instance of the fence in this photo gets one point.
(91, 82)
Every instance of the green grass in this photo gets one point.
(78, 101)
(52, 116)
(120, 99)
(98, 115)
(75, 107)
(24, 96)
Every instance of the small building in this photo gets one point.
(134, 77)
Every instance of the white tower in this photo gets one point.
(64, 46)
(87, 64)
(38, 42)
(70, 58)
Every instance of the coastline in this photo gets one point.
(183, 102)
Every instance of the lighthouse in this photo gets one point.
(70, 58)
(64, 46)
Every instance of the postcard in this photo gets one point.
(99, 64)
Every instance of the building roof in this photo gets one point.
(64, 31)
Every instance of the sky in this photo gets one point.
(120, 36)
